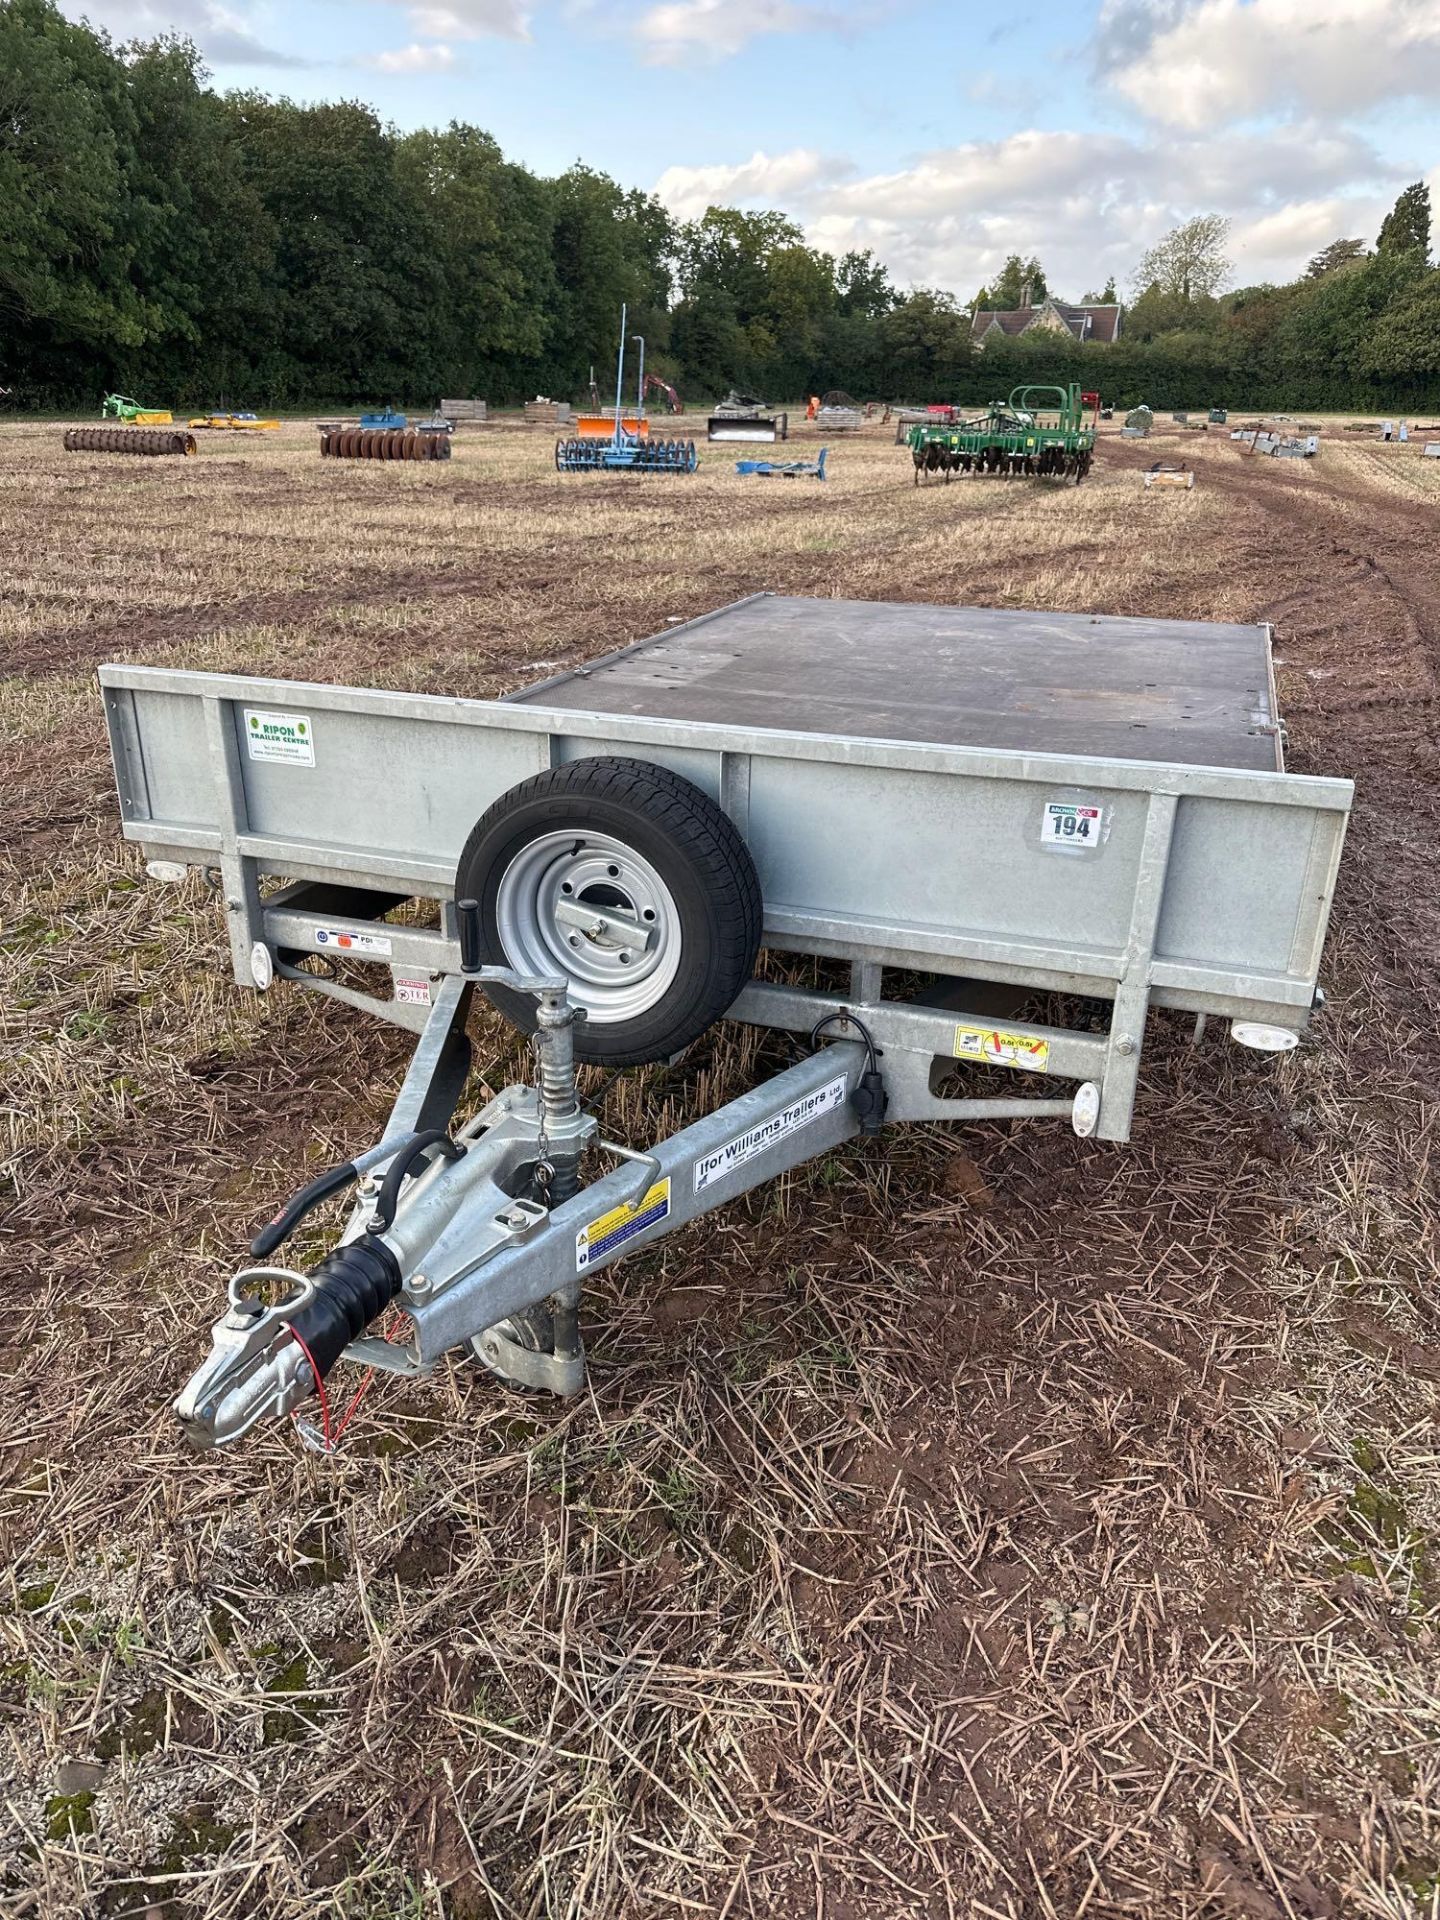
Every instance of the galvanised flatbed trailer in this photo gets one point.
(972, 808)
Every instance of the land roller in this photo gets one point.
(151, 440)
(370, 443)
(1038, 433)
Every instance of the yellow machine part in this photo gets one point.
(154, 417)
(601, 426)
(229, 423)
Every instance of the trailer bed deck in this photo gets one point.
(1188, 692)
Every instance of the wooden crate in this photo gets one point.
(465, 413)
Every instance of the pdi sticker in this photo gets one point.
(336, 940)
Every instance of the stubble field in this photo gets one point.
(979, 1522)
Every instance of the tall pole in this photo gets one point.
(640, 384)
(620, 381)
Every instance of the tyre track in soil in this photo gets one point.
(1351, 583)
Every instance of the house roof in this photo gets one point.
(1104, 319)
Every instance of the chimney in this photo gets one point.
(1025, 294)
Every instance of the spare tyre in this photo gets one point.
(629, 882)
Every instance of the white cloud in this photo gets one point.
(679, 32)
(471, 20)
(412, 59)
(225, 38)
(764, 179)
(1088, 204)
(1200, 63)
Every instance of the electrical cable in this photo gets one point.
(848, 1019)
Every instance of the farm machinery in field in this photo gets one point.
(142, 440)
(786, 469)
(1039, 432)
(652, 383)
(119, 406)
(624, 445)
(380, 443)
(745, 417)
(234, 423)
(1170, 473)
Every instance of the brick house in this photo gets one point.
(1089, 322)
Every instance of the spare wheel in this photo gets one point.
(629, 882)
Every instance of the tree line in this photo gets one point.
(198, 248)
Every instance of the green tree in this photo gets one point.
(707, 340)
(1105, 299)
(1190, 261)
(1324, 337)
(799, 298)
(728, 251)
(610, 247)
(489, 240)
(1332, 259)
(925, 342)
(186, 246)
(67, 220)
(1406, 228)
(205, 248)
(863, 286)
(1405, 341)
(1017, 278)
(356, 278)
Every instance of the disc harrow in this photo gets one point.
(378, 443)
(621, 445)
(626, 452)
(151, 440)
(1029, 436)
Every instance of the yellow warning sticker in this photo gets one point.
(613, 1229)
(1003, 1048)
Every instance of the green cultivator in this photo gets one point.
(1038, 432)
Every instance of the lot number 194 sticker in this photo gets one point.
(1072, 826)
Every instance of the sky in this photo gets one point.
(941, 134)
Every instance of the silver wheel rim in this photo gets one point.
(586, 905)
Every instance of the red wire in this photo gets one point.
(349, 1413)
(332, 1440)
(319, 1388)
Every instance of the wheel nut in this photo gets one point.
(624, 959)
